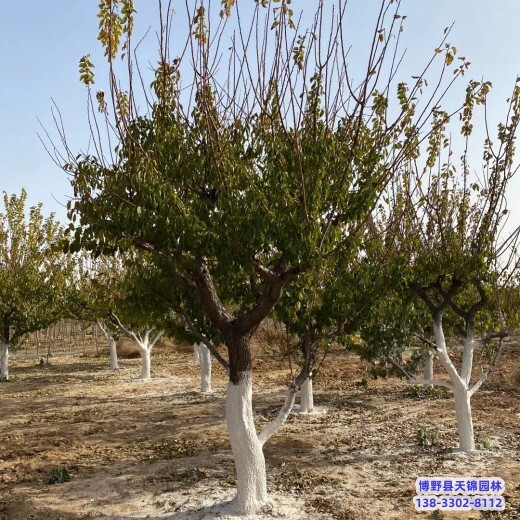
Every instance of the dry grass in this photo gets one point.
(127, 348)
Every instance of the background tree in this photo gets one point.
(134, 310)
(446, 238)
(35, 288)
(98, 284)
(237, 184)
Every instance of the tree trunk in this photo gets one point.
(4, 362)
(460, 391)
(464, 419)
(205, 368)
(145, 363)
(247, 450)
(196, 353)
(114, 364)
(428, 369)
(306, 397)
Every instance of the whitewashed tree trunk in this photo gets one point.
(144, 344)
(196, 353)
(146, 362)
(428, 370)
(112, 348)
(306, 397)
(246, 447)
(4, 362)
(205, 368)
(464, 418)
(459, 385)
(145, 348)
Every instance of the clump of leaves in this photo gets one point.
(363, 383)
(377, 371)
(336, 509)
(431, 392)
(175, 449)
(485, 441)
(59, 475)
(426, 438)
(191, 475)
(414, 391)
(437, 515)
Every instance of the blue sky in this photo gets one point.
(41, 43)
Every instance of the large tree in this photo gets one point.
(238, 183)
(35, 279)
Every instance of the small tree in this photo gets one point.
(34, 277)
(98, 283)
(133, 308)
(446, 242)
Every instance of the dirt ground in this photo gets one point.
(159, 449)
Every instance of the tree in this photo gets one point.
(203, 359)
(111, 337)
(446, 240)
(97, 283)
(132, 307)
(34, 276)
(250, 179)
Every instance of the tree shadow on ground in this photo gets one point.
(19, 507)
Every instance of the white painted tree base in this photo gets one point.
(112, 349)
(464, 420)
(4, 362)
(428, 370)
(145, 363)
(317, 410)
(247, 450)
(205, 368)
(306, 397)
(196, 355)
(459, 385)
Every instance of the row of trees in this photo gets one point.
(291, 185)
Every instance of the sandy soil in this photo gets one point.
(159, 449)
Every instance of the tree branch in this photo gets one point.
(276, 281)
(485, 374)
(116, 321)
(396, 365)
(202, 338)
(426, 341)
(286, 408)
(219, 316)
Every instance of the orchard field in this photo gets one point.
(158, 449)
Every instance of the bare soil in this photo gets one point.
(159, 449)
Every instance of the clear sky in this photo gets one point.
(42, 42)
